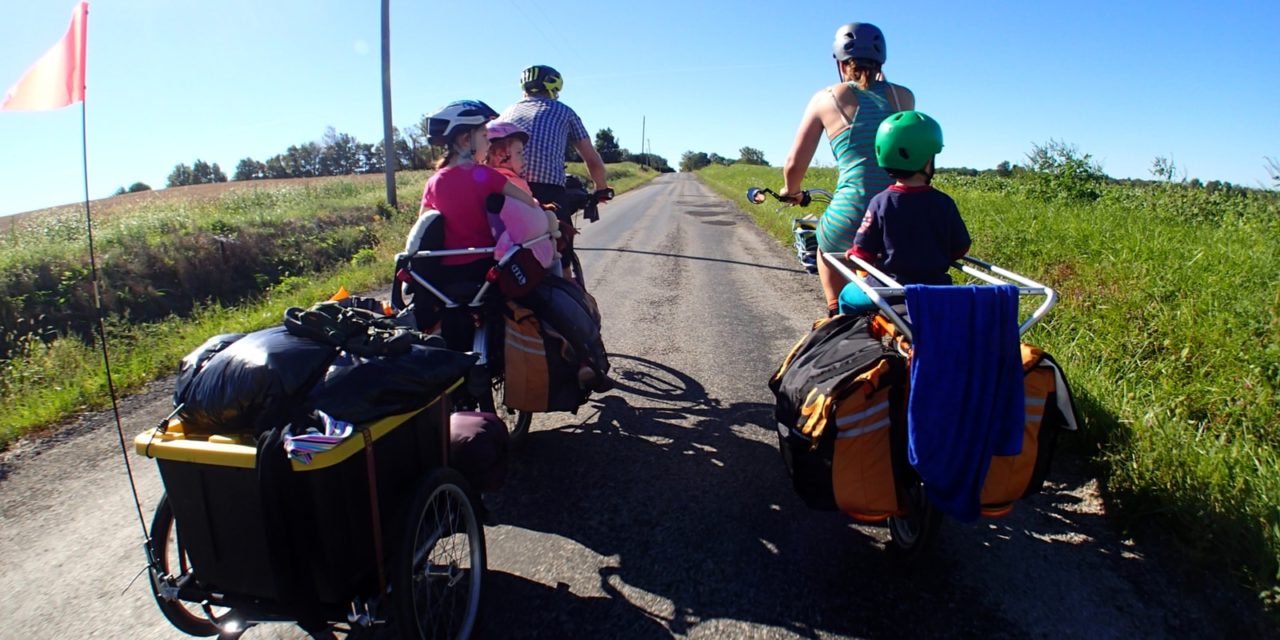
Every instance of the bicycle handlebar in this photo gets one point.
(592, 209)
(756, 195)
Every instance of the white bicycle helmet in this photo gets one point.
(455, 118)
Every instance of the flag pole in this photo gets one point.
(97, 306)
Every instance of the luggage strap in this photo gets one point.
(373, 508)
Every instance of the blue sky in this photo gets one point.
(170, 82)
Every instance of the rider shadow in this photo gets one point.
(687, 500)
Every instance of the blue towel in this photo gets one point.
(966, 399)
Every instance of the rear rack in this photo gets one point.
(980, 269)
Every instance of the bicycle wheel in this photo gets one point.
(517, 421)
(441, 561)
(916, 531)
(191, 618)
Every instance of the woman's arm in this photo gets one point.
(802, 148)
(906, 99)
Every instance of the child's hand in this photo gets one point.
(550, 206)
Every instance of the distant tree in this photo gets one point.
(607, 146)
(1273, 170)
(1004, 169)
(1063, 172)
(205, 173)
(250, 169)
(1164, 169)
(421, 154)
(339, 155)
(303, 161)
(694, 160)
(571, 153)
(651, 160)
(750, 155)
(716, 158)
(133, 188)
(276, 167)
(369, 161)
(181, 176)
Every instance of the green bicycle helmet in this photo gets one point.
(907, 140)
(541, 78)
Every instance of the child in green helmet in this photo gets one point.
(911, 231)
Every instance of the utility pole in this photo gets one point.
(642, 139)
(388, 143)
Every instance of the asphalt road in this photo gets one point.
(662, 508)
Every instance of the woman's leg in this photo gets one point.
(832, 283)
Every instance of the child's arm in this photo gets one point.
(960, 240)
(512, 191)
(868, 244)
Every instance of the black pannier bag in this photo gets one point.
(841, 401)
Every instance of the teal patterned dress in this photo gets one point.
(860, 176)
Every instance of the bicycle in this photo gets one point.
(804, 230)
(576, 198)
(465, 312)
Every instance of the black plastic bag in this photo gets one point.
(254, 383)
(361, 389)
(196, 360)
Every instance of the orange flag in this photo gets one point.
(57, 78)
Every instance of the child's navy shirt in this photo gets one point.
(913, 234)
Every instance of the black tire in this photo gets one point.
(191, 618)
(518, 422)
(441, 563)
(917, 531)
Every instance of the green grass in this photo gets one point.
(1169, 330)
(49, 381)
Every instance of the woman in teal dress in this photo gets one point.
(849, 113)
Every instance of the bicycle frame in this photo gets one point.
(974, 267)
(406, 273)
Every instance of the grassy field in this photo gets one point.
(50, 377)
(1169, 329)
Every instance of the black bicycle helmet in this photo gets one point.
(541, 78)
(861, 40)
(457, 117)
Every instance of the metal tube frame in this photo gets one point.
(968, 265)
(475, 302)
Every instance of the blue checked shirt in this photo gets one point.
(551, 125)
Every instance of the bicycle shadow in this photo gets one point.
(687, 500)
(592, 617)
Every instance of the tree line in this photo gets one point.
(338, 154)
(610, 151)
(694, 160)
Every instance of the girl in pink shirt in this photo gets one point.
(460, 184)
(506, 152)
